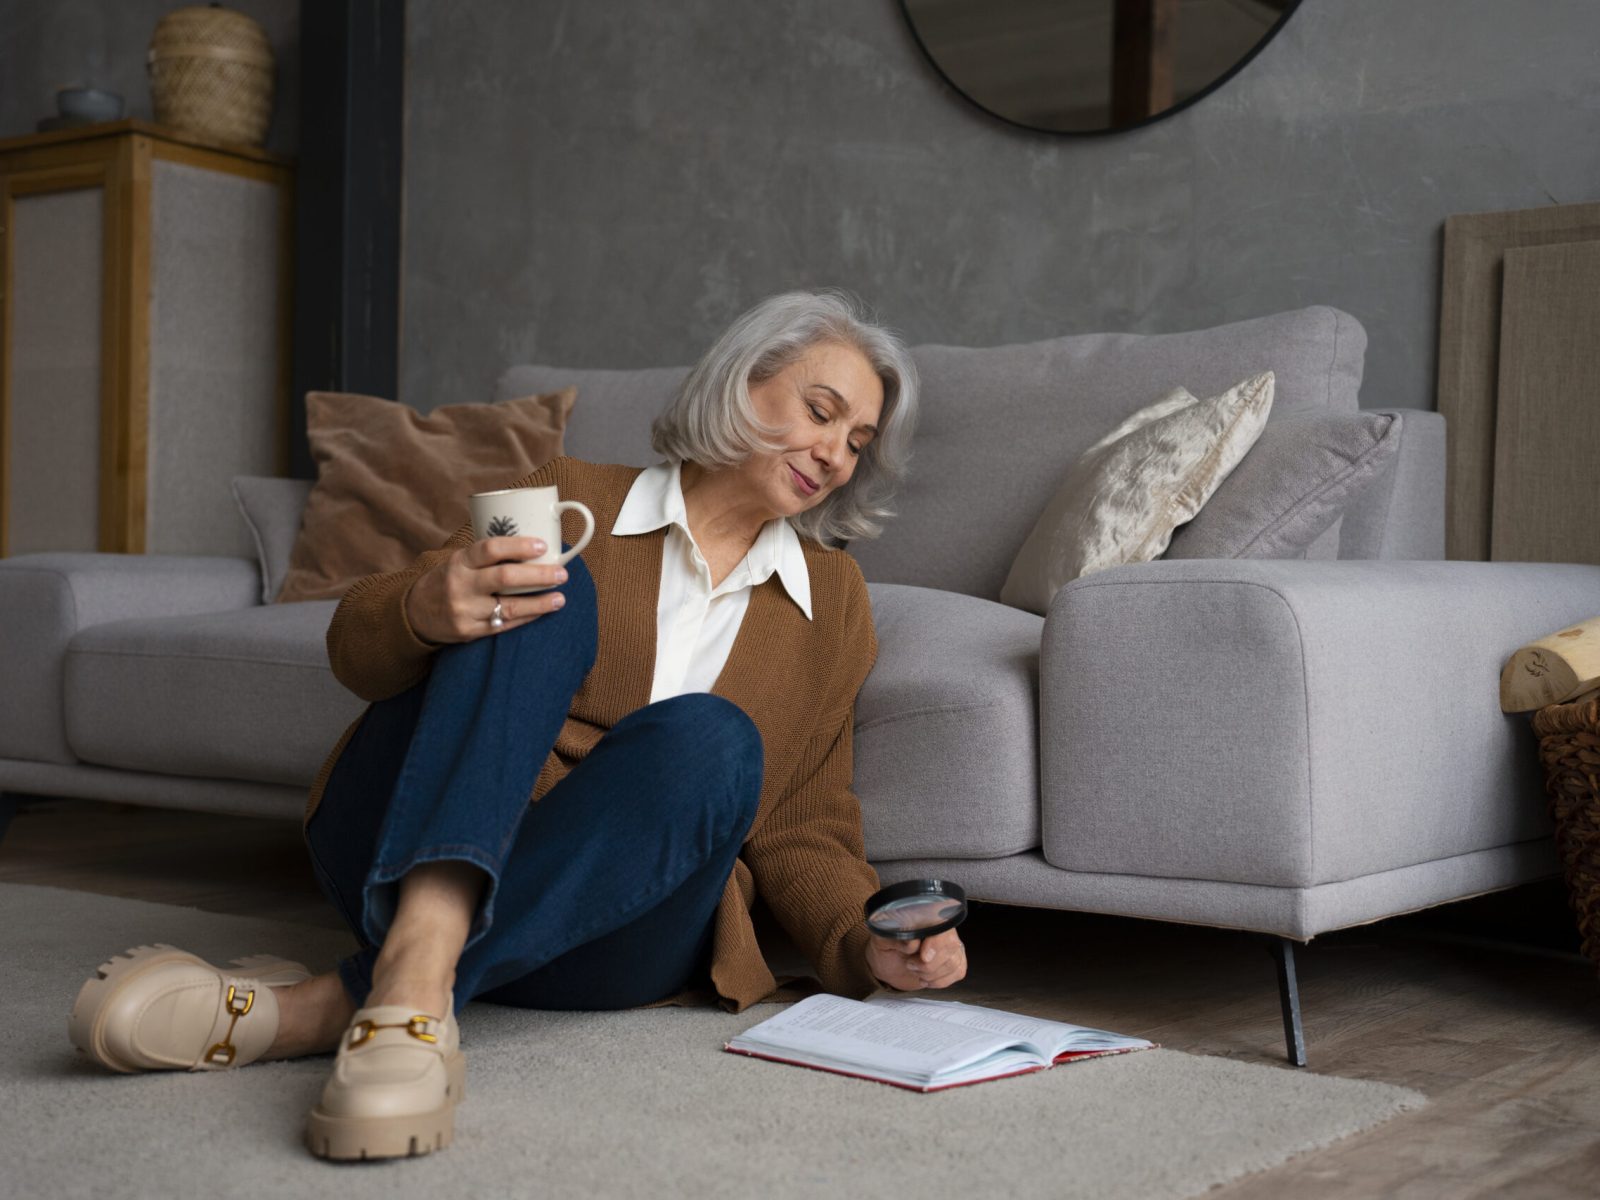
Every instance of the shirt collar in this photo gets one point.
(656, 500)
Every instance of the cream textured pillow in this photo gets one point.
(1131, 489)
(393, 482)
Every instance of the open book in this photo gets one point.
(921, 1044)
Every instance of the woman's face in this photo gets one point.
(830, 399)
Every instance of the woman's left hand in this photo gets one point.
(934, 962)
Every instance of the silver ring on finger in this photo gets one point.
(497, 618)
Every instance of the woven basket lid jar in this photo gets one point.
(211, 74)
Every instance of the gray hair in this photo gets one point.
(712, 422)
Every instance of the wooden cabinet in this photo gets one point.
(145, 338)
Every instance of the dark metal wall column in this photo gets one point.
(347, 205)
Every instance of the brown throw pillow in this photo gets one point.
(393, 482)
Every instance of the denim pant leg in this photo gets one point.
(650, 958)
(444, 770)
(608, 894)
(605, 889)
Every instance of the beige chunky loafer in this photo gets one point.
(157, 1008)
(396, 1081)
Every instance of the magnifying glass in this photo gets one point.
(916, 908)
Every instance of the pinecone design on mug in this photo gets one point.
(502, 527)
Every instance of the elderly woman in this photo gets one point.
(678, 702)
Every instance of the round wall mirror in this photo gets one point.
(1090, 66)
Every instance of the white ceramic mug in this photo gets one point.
(528, 512)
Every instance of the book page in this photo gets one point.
(1045, 1038)
(874, 1035)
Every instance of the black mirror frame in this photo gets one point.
(1266, 38)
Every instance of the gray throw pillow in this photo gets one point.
(1295, 482)
(272, 509)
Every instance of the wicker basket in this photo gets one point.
(1569, 746)
(211, 74)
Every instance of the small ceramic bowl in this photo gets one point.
(88, 104)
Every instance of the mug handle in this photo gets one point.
(588, 527)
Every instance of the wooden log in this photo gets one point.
(1552, 670)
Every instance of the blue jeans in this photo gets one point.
(600, 895)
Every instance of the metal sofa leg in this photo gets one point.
(1294, 1037)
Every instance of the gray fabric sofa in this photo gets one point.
(1284, 746)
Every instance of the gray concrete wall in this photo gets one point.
(606, 183)
(47, 45)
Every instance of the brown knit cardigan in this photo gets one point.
(797, 680)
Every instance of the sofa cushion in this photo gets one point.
(998, 425)
(46, 599)
(1400, 515)
(232, 695)
(1121, 501)
(1293, 485)
(612, 425)
(946, 744)
(272, 508)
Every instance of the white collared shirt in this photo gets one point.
(695, 623)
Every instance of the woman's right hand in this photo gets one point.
(453, 601)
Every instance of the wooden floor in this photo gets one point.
(1483, 1006)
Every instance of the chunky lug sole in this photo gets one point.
(86, 1025)
(355, 1138)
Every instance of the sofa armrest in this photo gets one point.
(1291, 723)
(46, 598)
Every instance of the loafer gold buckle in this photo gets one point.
(223, 1053)
(363, 1032)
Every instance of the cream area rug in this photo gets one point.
(632, 1104)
